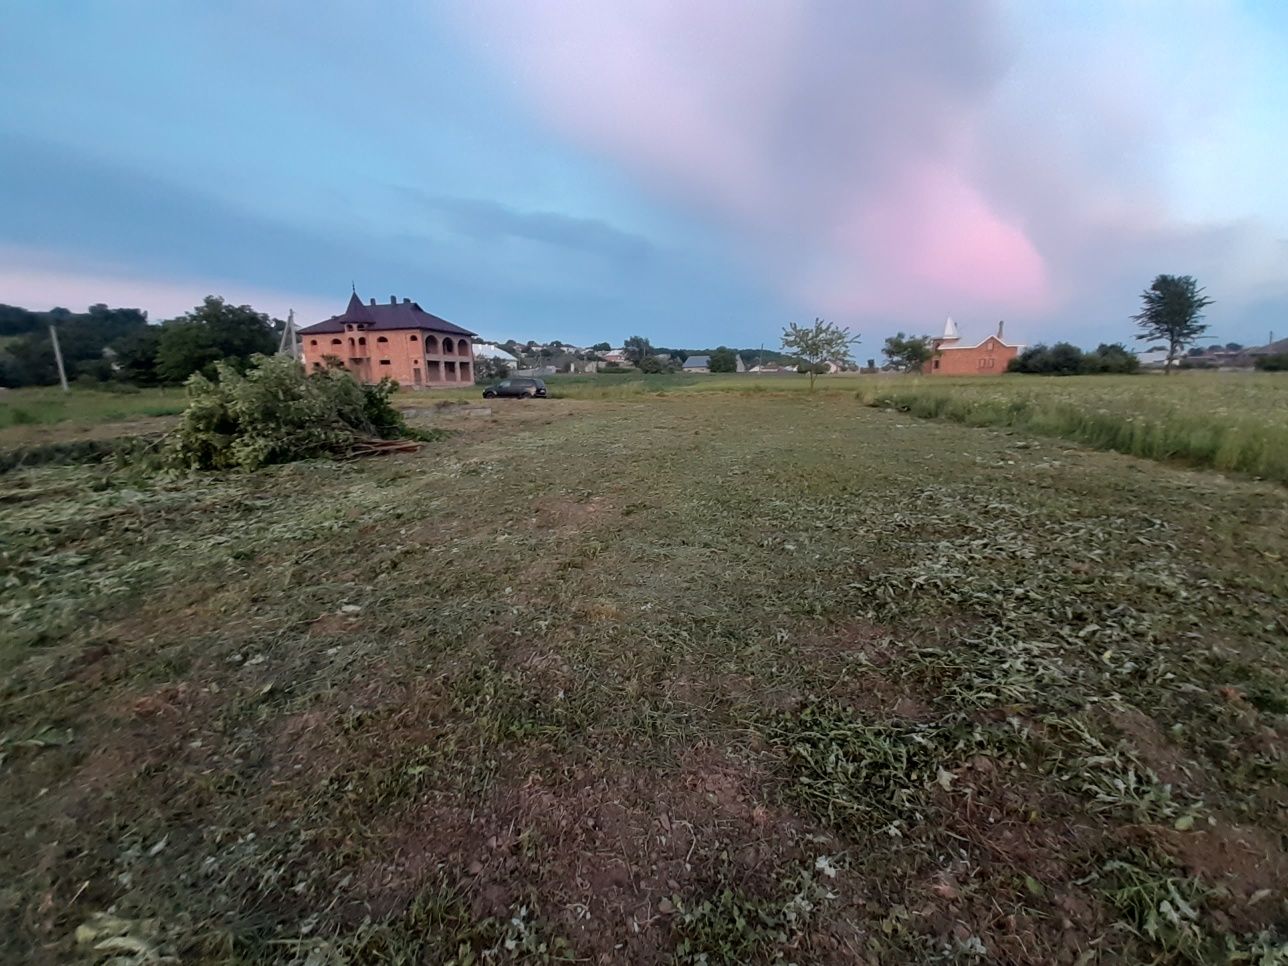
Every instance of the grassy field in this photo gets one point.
(711, 677)
(1227, 421)
(28, 415)
(1235, 422)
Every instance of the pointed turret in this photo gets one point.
(950, 331)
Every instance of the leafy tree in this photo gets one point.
(28, 360)
(1234, 347)
(818, 343)
(723, 359)
(652, 365)
(1172, 313)
(211, 332)
(1111, 358)
(637, 349)
(136, 356)
(908, 353)
(601, 347)
(487, 369)
(18, 321)
(1196, 350)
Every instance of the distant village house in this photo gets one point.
(697, 364)
(989, 358)
(399, 340)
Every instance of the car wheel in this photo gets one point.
(489, 395)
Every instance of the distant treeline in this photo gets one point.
(119, 344)
(1066, 359)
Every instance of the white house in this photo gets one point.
(489, 350)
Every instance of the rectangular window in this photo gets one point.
(384, 362)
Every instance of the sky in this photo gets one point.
(697, 173)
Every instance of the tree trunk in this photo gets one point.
(812, 374)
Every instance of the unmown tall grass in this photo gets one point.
(49, 404)
(1232, 422)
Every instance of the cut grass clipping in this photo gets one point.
(878, 775)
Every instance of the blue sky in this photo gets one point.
(687, 172)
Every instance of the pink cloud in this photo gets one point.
(835, 153)
(900, 161)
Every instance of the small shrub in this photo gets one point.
(1278, 363)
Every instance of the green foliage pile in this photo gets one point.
(276, 413)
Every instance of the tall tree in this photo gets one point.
(908, 353)
(212, 331)
(723, 359)
(820, 342)
(1172, 313)
(637, 349)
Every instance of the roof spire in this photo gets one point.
(354, 286)
(950, 329)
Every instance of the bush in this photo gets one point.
(276, 413)
(1277, 363)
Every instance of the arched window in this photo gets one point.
(337, 341)
(313, 341)
(447, 346)
(362, 340)
(431, 344)
(381, 338)
(414, 339)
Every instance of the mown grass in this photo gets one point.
(1226, 421)
(711, 677)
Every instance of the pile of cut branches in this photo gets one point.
(276, 413)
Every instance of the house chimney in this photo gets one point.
(406, 300)
(393, 300)
(999, 329)
(373, 301)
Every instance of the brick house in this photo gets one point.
(989, 358)
(399, 340)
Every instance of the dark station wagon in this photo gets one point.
(516, 388)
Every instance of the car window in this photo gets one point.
(503, 384)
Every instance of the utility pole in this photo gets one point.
(288, 343)
(58, 357)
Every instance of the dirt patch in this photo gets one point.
(1148, 740)
(616, 845)
(331, 625)
(568, 516)
(1251, 863)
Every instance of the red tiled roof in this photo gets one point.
(392, 315)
